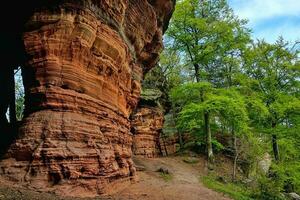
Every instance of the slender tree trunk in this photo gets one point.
(197, 72)
(158, 144)
(234, 168)
(235, 154)
(180, 139)
(207, 130)
(275, 144)
(178, 132)
(210, 156)
(165, 147)
(229, 77)
(275, 147)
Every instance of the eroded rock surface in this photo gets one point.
(85, 62)
(169, 145)
(147, 123)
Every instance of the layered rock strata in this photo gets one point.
(85, 61)
(147, 123)
(169, 145)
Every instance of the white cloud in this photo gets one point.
(256, 10)
(270, 19)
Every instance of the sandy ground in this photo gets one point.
(184, 184)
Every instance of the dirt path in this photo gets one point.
(184, 184)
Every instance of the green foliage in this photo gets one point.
(268, 189)
(217, 146)
(165, 76)
(275, 73)
(191, 93)
(209, 37)
(166, 177)
(19, 92)
(169, 127)
(194, 99)
(249, 91)
(235, 191)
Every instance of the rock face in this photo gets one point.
(147, 123)
(169, 145)
(294, 196)
(85, 61)
(169, 140)
(265, 163)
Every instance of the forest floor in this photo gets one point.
(182, 182)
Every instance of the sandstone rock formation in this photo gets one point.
(169, 145)
(147, 123)
(84, 63)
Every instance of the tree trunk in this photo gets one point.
(165, 147)
(178, 132)
(180, 139)
(210, 156)
(197, 70)
(158, 144)
(275, 144)
(275, 147)
(235, 155)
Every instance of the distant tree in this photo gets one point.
(210, 39)
(275, 71)
(166, 75)
(202, 105)
(18, 97)
(19, 92)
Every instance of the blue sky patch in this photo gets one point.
(270, 19)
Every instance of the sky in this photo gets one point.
(270, 19)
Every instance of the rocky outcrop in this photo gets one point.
(85, 61)
(147, 123)
(169, 145)
(265, 163)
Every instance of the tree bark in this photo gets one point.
(275, 147)
(235, 153)
(158, 143)
(197, 70)
(165, 146)
(275, 144)
(178, 132)
(210, 156)
(180, 139)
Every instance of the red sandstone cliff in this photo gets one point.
(147, 123)
(85, 61)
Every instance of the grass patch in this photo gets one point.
(235, 191)
(166, 177)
